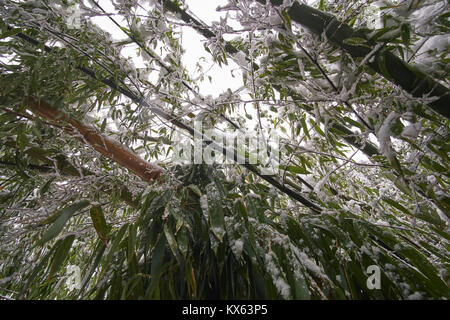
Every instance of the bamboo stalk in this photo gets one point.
(89, 135)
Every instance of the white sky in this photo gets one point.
(192, 42)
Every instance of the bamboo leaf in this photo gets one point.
(322, 5)
(98, 219)
(158, 254)
(171, 240)
(62, 219)
(216, 218)
(63, 247)
(356, 41)
(406, 34)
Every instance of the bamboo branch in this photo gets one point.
(89, 135)
(385, 63)
(30, 166)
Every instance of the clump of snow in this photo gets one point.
(237, 248)
(253, 195)
(443, 273)
(411, 131)
(365, 250)
(283, 288)
(241, 59)
(318, 187)
(383, 223)
(204, 204)
(431, 179)
(389, 267)
(384, 135)
(443, 217)
(415, 296)
(275, 19)
(309, 264)
(405, 288)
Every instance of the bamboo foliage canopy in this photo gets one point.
(94, 97)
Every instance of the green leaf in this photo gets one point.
(317, 128)
(22, 139)
(399, 183)
(356, 41)
(103, 126)
(132, 232)
(396, 165)
(240, 207)
(10, 33)
(419, 261)
(60, 222)
(397, 205)
(46, 186)
(382, 34)
(171, 240)
(353, 122)
(216, 217)
(287, 19)
(406, 34)
(36, 270)
(322, 5)
(444, 19)
(182, 239)
(294, 169)
(114, 247)
(301, 289)
(382, 65)
(195, 189)
(95, 257)
(157, 264)
(305, 127)
(220, 186)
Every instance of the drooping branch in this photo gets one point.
(104, 145)
(65, 167)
